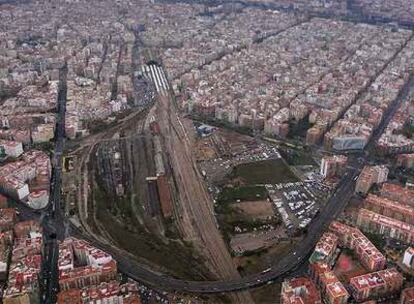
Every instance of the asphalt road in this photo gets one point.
(55, 224)
(53, 219)
(289, 263)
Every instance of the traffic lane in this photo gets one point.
(335, 205)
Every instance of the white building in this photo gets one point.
(14, 188)
(408, 259)
(382, 174)
(12, 148)
(38, 199)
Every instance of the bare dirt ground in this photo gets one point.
(262, 260)
(204, 152)
(256, 209)
(252, 241)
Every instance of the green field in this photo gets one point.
(248, 193)
(296, 157)
(250, 177)
(267, 294)
(230, 217)
(271, 171)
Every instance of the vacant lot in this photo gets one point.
(246, 243)
(248, 193)
(271, 171)
(267, 294)
(204, 152)
(255, 209)
(236, 207)
(261, 260)
(295, 157)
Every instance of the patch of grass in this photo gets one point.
(11, 203)
(259, 261)
(235, 218)
(45, 146)
(296, 157)
(98, 126)
(407, 130)
(267, 294)
(298, 129)
(222, 124)
(230, 217)
(272, 171)
(248, 193)
(377, 240)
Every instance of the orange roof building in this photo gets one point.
(300, 291)
(407, 296)
(325, 248)
(96, 266)
(378, 223)
(333, 290)
(390, 208)
(355, 240)
(377, 284)
(7, 219)
(398, 193)
(106, 292)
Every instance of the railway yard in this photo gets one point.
(209, 151)
(243, 183)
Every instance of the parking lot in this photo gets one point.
(297, 202)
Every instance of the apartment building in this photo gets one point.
(390, 208)
(355, 240)
(369, 176)
(373, 222)
(377, 284)
(332, 289)
(300, 290)
(325, 248)
(333, 165)
(95, 265)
